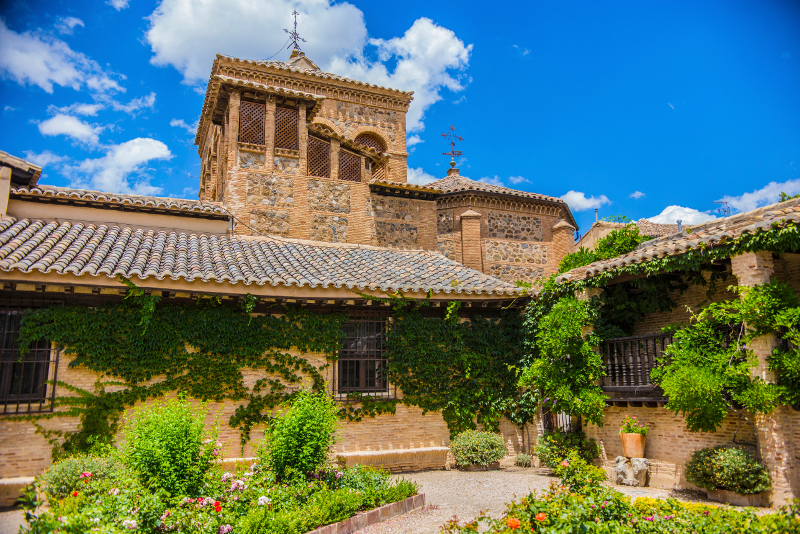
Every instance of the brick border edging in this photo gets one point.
(365, 519)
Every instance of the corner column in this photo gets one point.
(563, 244)
(269, 135)
(471, 240)
(335, 147)
(776, 446)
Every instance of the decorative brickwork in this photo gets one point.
(270, 222)
(444, 222)
(513, 252)
(514, 273)
(394, 208)
(329, 228)
(270, 190)
(448, 248)
(328, 196)
(510, 226)
(287, 164)
(398, 235)
(251, 160)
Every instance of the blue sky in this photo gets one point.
(629, 107)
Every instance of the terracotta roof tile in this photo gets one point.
(655, 229)
(178, 205)
(458, 183)
(98, 249)
(710, 234)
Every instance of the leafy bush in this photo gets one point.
(303, 437)
(631, 426)
(168, 447)
(477, 448)
(615, 243)
(553, 447)
(650, 506)
(64, 477)
(578, 475)
(727, 468)
(524, 460)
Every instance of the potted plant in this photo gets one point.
(633, 434)
(729, 474)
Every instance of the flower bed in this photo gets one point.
(136, 489)
(581, 503)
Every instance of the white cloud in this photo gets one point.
(71, 127)
(768, 194)
(425, 54)
(187, 35)
(688, 216)
(37, 59)
(67, 25)
(44, 159)
(494, 180)
(518, 180)
(135, 104)
(189, 192)
(414, 140)
(180, 123)
(77, 109)
(578, 201)
(636, 194)
(460, 100)
(118, 4)
(418, 176)
(9, 108)
(113, 172)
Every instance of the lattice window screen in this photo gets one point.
(286, 121)
(349, 166)
(319, 157)
(370, 141)
(379, 172)
(251, 122)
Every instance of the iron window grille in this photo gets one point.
(286, 124)
(252, 117)
(361, 367)
(319, 158)
(27, 382)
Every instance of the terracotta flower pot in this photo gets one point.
(632, 445)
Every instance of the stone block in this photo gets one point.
(631, 471)
(11, 489)
(510, 226)
(329, 228)
(329, 196)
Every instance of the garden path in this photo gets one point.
(466, 494)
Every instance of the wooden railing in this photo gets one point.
(629, 360)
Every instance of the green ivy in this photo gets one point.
(150, 349)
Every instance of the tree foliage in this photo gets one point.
(615, 243)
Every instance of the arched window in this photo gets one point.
(371, 141)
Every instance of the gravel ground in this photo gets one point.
(465, 494)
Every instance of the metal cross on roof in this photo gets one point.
(452, 137)
(293, 35)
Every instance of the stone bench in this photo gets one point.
(11, 490)
(398, 460)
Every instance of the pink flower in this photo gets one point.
(224, 529)
(565, 464)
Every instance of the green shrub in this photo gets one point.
(649, 506)
(578, 475)
(303, 437)
(727, 468)
(168, 447)
(523, 460)
(64, 477)
(553, 447)
(472, 447)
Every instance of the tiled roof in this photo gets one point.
(84, 249)
(655, 229)
(710, 234)
(174, 205)
(22, 171)
(455, 183)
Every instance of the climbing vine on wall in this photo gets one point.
(144, 348)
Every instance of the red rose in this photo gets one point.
(74, 493)
(513, 523)
(541, 516)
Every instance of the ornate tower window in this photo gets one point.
(319, 157)
(349, 166)
(251, 122)
(286, 123)
(370, 141)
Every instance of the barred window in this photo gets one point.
(370, 141)
(22, 377)
(319, 157)
(286, 123)
(349, 166)
(251, 122)
(362, 359)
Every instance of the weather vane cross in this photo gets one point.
(293, 35)
(452, 138)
